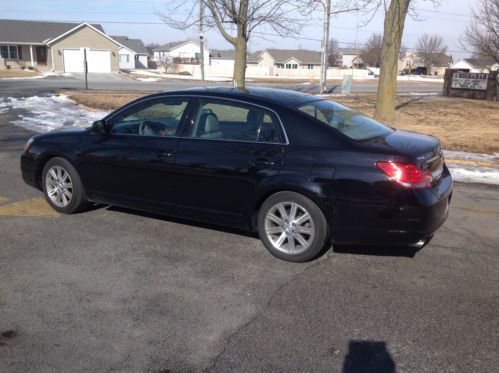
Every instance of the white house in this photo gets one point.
(349, 57)
(132, 53)
(223, 58)
(181, 52)
(476, 65)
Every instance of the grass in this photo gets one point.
(461, 124)
(14, 73)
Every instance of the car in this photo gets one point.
(300, 170)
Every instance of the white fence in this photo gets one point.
(262, 72)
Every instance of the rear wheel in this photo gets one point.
(62, 186)
(292, 227)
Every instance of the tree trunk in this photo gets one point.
(239, 77)
(392, 38)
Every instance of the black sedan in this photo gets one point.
(300, 170)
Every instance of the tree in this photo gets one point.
(371, 53)
(392, 38)
(430, 50)
(334, 52)
(236, 21)
(482, 34)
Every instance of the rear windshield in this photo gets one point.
(349, 122)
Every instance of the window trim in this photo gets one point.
(189, 112)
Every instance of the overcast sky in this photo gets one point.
(447, 20)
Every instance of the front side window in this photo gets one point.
(160, 118)
(124, 58)
(13, 52)
(236, 122)
(9, 52)
(349, 122)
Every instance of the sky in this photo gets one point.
(137, 19)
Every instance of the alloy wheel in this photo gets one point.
(58, 186)
(289, 227)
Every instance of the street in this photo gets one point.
(117, 82)
(117, 290)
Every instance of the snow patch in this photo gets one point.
(148, 79)
(48, 113)
(450, 154)
(485, 175)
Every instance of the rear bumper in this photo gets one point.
(402, 221)
(29, 170)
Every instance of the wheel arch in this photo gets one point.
(44, 159)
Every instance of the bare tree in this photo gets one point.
(482, 34)
(396, 12)
(430, 49)
(236, 21)
(371, 53)
(167, 63)
(334, 52)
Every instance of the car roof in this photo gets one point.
(276, 96)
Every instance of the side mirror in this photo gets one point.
(99, 127)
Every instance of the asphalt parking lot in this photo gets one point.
(114, 290)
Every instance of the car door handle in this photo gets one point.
(262, 162)
(165, 153)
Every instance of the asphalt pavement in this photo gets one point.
(118, 82)
(115, 290)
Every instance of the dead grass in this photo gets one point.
(461, 124)
(8, 73)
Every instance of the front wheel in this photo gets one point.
(62, 186)
(292, 227)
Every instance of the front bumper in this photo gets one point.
(29, 170)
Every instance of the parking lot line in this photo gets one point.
(33, 207)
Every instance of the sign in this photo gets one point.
(347, 84)
(477, 81)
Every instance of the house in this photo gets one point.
(350, 58)
(56, 46)
(412, 60)
(286, 58)
(476, 65)
(223, 58)
(132, 53)
(181, 52)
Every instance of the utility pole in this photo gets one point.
(201, 37)
(325, 42)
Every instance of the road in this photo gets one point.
(116, 82)
(116, 290)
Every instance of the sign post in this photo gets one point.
(85, 67)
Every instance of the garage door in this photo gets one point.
(73, 60)
(98, 61)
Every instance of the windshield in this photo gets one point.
(348, 122)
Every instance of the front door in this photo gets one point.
(133, 164)
(41, 55)
(225, 153)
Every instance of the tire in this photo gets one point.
(309, 235)
(62, 187)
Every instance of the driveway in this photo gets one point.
(116, 290)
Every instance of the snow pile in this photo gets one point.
(419, 78)
(480, 157)
(148, 79)
(47, 113)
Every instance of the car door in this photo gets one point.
(226, 151)
(133, 163)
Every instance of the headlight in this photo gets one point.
(28, 144)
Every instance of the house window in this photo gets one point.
(9, 52)
(124, 58)
(279, 65)
(310, 66)
(288, 66)
(294, 66)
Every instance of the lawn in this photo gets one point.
(8, 73)
(461, 124)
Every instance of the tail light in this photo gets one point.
(406, 174)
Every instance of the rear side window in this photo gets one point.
(223, 120)
(158, 118)
(349, 122)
